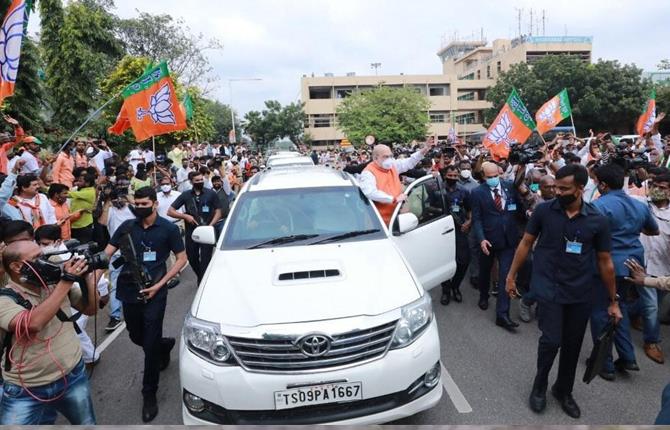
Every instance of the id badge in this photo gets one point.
(573, 248)
(205, 209)
(149, 256)
(511, 207)
(455, 209)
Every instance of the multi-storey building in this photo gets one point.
(456, 96)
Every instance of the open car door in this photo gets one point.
(423, 229)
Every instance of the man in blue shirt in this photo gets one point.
(573, 244)
(627, 219)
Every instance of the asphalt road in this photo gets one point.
(492, 372)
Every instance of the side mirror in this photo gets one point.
(407, 222)
(204, 235)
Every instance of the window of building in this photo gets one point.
(468, 77)
(438, 117)
(467, 96)
(479, 74)
(322, 120)
(499, 66)
(317, 93)
(343, 92)
(488, 72)
(438, 90)
(468, 118)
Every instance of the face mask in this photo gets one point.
(466, 174)
(49, 273)
(566, 200)
(451, 182)
(199, 186)
(493, 182)
(142, 213)
(657, 195)
(535, 187)
(166, 188)
(387, 164)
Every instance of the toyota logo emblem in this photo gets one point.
(314, 345)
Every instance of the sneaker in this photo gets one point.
(654, 352)
(113, 324)
(524, 311)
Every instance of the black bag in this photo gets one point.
(602, 345)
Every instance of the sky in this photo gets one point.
(279, 41)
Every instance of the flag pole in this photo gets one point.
(90, 117)
(574, 130)
(153, 143)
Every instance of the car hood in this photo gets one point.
(243, 287)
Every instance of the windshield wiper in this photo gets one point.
(343, 236)
(284, 239)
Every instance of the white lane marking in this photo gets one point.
(457, 398)
(108, 341)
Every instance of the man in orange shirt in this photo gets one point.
(58, 194)
(61, 172)
(80, 158)
(7, 143)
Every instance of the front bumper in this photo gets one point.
(392, 389)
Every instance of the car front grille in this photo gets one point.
(285, 355)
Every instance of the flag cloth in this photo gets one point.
(512, 126)
(553, 112)
(188, 107)
(150, 106)
(452, 138)
(11, 37)
(648, 117)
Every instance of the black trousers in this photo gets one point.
(144, 323)
(83, 235)
(563, 327)
(198, 255)
(462, 262)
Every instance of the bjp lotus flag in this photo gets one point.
(553, 112)
(150, 106)
(512, 126)
(648, 117)
(11, 37)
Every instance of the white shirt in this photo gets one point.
(182, 179)
(31, 166)
(149, 156)
(135, 157)
(116, 217)
(99, 159)
(164, 203)
(368, 181)
(48, 211)
(657, 248)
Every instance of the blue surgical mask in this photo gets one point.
(493, 182)
(535, 187)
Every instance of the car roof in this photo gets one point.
(298, 177)
(284, 154)
(288, 161)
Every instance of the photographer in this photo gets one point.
(43, 370)
(153, 239)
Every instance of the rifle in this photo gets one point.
(129, 257)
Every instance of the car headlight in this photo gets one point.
(415, 318)
(204, 339)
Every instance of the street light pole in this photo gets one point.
(232, 111)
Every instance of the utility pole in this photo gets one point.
(375, 66)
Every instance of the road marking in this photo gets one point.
(457, 397)
(109, 339)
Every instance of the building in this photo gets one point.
(470, 68)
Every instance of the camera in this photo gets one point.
(524, 154)
(631, 160)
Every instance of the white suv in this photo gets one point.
(312, 311)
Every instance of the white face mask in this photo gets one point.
(166, 188)
(466, 174)
(387, 164)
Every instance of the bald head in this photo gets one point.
(490, 169)
(547, 187)
(16, 253)
(381, 153)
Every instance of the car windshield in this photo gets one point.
(298, 217)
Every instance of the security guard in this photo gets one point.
(153, 239)
(201, 207)
(457, 199)
(572, 236)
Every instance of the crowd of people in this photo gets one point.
(577, 229)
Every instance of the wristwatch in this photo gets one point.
(615, 300)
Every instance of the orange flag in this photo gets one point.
(150, 106)
(512, 126)
(648, 117)
(11, 37)
(553, 112)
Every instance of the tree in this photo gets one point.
(221, 116)
(604, 95)
(201, 126)
(664, 64)
(84, 51)
(161, 37)
(391, 114)
(275, 122)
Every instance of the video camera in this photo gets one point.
(631, 160)
(443, 148)
(525, 154)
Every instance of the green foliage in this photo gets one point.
(201, 126)
(604, 96)
(275, 122)
(27, 103)
(221, 117)
(664, 64)
(391, 114)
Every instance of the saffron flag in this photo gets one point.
(150, 106)
(512, 126)
(648, 117)
(553, 112)
(11, 37)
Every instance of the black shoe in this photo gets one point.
(112, 325)
(568, 403)
(483, 304)
(457, 296)
(167, 343)
(149, 408)
(622, 366)
(607, 376)
(446, 298)
(506, 323)
(537, 400)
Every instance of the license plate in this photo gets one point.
(318, 395)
